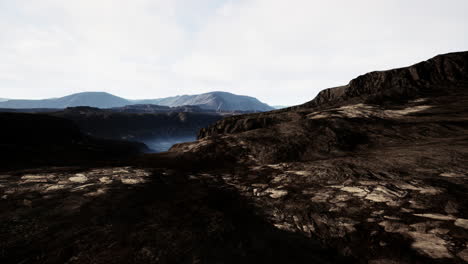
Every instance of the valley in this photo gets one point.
(159, 123)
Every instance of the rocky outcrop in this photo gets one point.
(375, 169)
(435, 77)
(399, 84)
(234, 125)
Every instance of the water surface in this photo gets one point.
(157, 145)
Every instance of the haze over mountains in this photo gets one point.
(219, 101)
(215, 101)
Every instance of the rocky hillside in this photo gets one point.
(426, 78)
(441, 75)
(376, 169)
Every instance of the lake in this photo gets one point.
(164, 144)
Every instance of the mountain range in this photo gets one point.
(219, 101)
(214, 101)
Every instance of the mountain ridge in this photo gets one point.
(216, 100)
(219, 101)
(377, 87)
(407, 82)
(91, 99)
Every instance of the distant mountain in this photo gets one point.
(92, 99)
(218, 101)
(3, 99)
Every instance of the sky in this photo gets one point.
(281, 51)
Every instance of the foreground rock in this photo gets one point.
(131, 215)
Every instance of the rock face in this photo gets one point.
(437, 76)
(428, 77)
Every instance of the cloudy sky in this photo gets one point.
(280, 51)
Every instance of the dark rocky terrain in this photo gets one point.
(372, 172)
(376, 169)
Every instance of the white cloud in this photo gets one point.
(283, 52)
(292, 49)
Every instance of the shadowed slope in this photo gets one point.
(29, 140)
